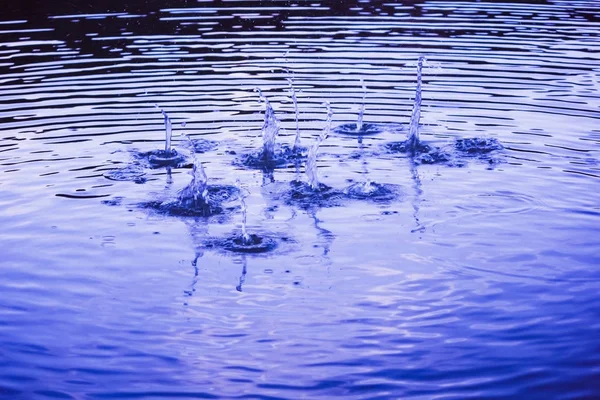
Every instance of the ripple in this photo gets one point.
(367, 129)
(282, 157)
(504, 202)
(192, 206)
(477, 146)
(423, 153)
(378, 192)
(254, 244)
(303, 195)
(161, 158)
(132, 172)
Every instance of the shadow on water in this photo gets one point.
(314, 194)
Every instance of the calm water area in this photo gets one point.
(478, 279)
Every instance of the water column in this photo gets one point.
(361, 111)
(270, 128)
(413, 130)
(295, 101)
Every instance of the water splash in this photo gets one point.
(295, 102)
(478, 146)
(364, 162)
(270, 128)
(413, 130)
(311, 162)
(421, 152)
(195, 194)
(361, 128)
(273, 155)
(162, 158)
(368, 189)
(290, 80)
(361, 112)
(168, 129)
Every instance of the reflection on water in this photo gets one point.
(240, 284)
(475, 277)
(418, 193)
(325, 237)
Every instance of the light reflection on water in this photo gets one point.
(478, 281)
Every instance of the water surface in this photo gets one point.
(479, 280)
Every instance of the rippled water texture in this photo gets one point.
(477, 278)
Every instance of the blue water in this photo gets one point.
(478, 280)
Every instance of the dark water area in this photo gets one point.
(476, 276)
